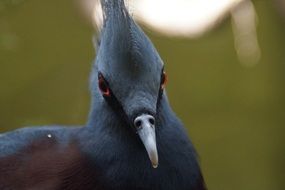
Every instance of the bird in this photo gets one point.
(132, 139)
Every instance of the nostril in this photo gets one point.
(138, 123)
(151, 121)
(144, 120)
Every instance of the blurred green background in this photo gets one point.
(234, 114)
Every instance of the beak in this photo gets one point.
(146, 130)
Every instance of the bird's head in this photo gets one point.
(130, 74)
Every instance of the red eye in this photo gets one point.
(163, 80)
(104, 86)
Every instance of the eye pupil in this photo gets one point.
(103, 86)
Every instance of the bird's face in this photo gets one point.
(131, 79)
(135, 96)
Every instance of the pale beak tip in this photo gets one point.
(154, 166)
(154, 160)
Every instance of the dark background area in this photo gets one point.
(234, 114)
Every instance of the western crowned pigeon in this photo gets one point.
(132, 139)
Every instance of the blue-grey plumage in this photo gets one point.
(132, 139)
